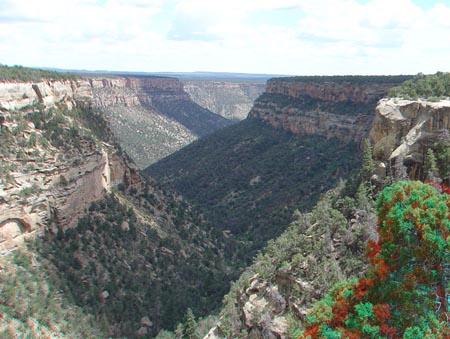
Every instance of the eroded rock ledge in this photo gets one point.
(332, 109)
(406, 128)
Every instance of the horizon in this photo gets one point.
(202, 74)
(270, 37)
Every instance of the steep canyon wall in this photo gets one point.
(406, 129)
(339, 107)
(232, 100)
(43, 184)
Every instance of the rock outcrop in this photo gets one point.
(272, 298)
(48, 177)
(336, 107)
(231, 99)
(146, 132)
(25, 96)
(333, 91)
(56, 192)
(151, 116)
(405, 129)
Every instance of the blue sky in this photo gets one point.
(298, 37)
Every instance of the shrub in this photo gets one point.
(405, 293)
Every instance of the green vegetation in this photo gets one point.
(405, 293)
(21, 73)
(267, 174)
(367, 163)
(189, 325)
(430, 166)
(120, 267)
(195, 118)
(66, 128)
(32, 307)
(351, 79)
(197, 328)
(318, 249)
(139, 252)
(434, 86)
(442, 153)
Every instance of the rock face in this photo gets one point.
(151, 116)
(146, 133)
(332, 108)
(42, 183)
(22, 96)
(57, 194)
(232, 100)
(329, 91)
(405, 129)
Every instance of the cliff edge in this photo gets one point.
(337, 106)
(405, 129)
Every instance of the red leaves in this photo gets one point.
(439, 187)
(340, 311)
(362, 288)
(445, 189)
(406, 269)
(390, 332)
(311, 332)
(373, 248)
(382, 312)
(380, 269)
(355, 334)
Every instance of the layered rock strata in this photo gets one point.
(232, 100)
(406, 129)
(332, 109)
(152, 117)
(43, 185)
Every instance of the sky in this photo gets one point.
(292, 37)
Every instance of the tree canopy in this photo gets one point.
(423, 86)
(406, 292)
(21, 73)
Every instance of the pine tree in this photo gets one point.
(367, 165)
(189, 325)
(430, 166)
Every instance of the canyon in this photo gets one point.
(151, 116)
(231, 99)
(71, 199)
(312, 126)
(45, 186)
(265, 305)
(74, 176)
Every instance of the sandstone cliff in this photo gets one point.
(232, 100)
(24, 96)
(329, 106)
(151, 116)
(406, 129)
(128, 252)
(145, 132)
(51, 166)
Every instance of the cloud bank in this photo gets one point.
(259, 36)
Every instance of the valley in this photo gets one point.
(127, 209)
(74, 202)
(230, 98)
(301, 137)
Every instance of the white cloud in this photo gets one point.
(319, 37)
